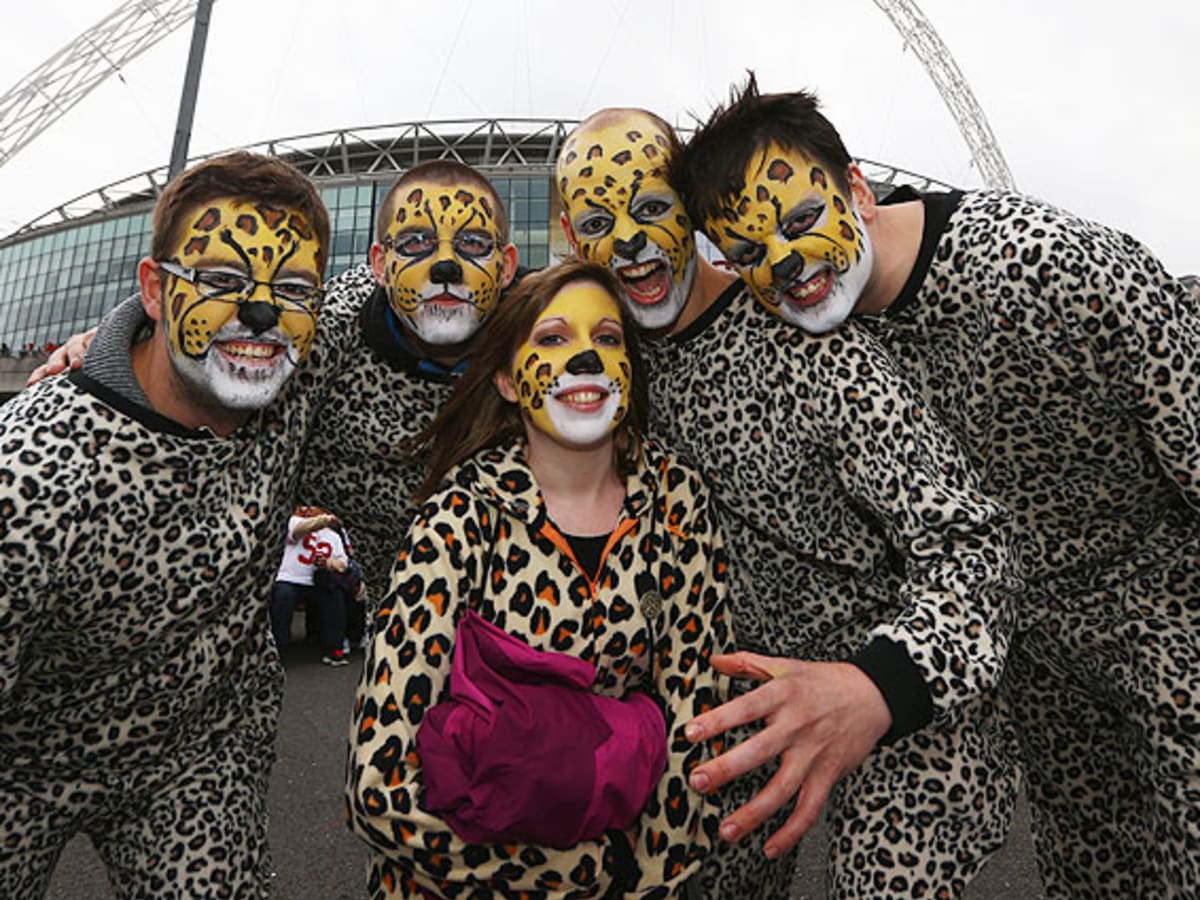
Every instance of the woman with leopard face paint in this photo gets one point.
(554, 536)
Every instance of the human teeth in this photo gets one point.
(640, 271)
(251, 351)
(810, 287)
(585, 396)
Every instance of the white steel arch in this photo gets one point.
(46, 93)
(51, 89)
(939, 64)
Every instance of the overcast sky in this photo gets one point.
(1093, 102)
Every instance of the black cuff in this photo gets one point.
(902, 684)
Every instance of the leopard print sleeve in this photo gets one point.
(30, 540)
(957, 598)
(405, 672)
(678, 826)
(1136, 336)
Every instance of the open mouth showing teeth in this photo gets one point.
(585, 397)
(811, 292)
(646, 282)
(250, 352)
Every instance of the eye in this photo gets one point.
(593, 225)
(549, 339)
(801, 222)
(745, 254)
(608, 339)
(218, 282)
(652, 209)
(474, 244)
(414, 243)
(293, 291)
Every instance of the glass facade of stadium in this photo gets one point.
(62, 272)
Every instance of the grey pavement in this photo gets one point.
(316, 858)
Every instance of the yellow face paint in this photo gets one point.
(236, 340)
(572, 374)
(624, 215)
(796, 239)
(444, 267)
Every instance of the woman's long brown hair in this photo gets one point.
(476, 416)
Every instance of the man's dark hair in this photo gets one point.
(711, 167)
(244, 177)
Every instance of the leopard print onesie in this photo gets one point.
(855, 532)
(374, 394)
(1068, 362)
(652, 614)
(139, 685)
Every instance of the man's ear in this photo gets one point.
(510, 265)
(569, 232)
(150, 280)
(861, 193)
(378, 257)
(504, 384)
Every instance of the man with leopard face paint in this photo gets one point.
(391, 342)
(139, 685)
(861, 551)
(1067, 362)
(620, 211)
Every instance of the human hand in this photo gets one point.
(68, 356)
(821, 720)
(338, 565)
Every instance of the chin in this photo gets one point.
(231, 386)
(441, 329)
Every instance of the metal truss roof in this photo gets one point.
(380, 152)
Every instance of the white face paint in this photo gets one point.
(235, 372)
(583, 408)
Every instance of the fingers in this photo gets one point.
(746, 665)
(774, 796)
(813, 794)
(39, 373)
(751, 707)
(744, 757)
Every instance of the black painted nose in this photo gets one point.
(630, 249)
(258, 316)
(446, 271)
(586, 363)
(786, 268)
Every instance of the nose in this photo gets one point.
(586, 363)
(258, 316)
(630, 249)
(446, 271)
(788, 267)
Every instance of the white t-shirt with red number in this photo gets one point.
(299, 553)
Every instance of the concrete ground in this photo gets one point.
(316, 858)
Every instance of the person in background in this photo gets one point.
(1067, 362)
(314, 548)
(872, 594)
(555, 545)
(139, 685)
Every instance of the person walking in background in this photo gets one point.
(562, 561)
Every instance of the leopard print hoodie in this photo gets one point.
(652, 616)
